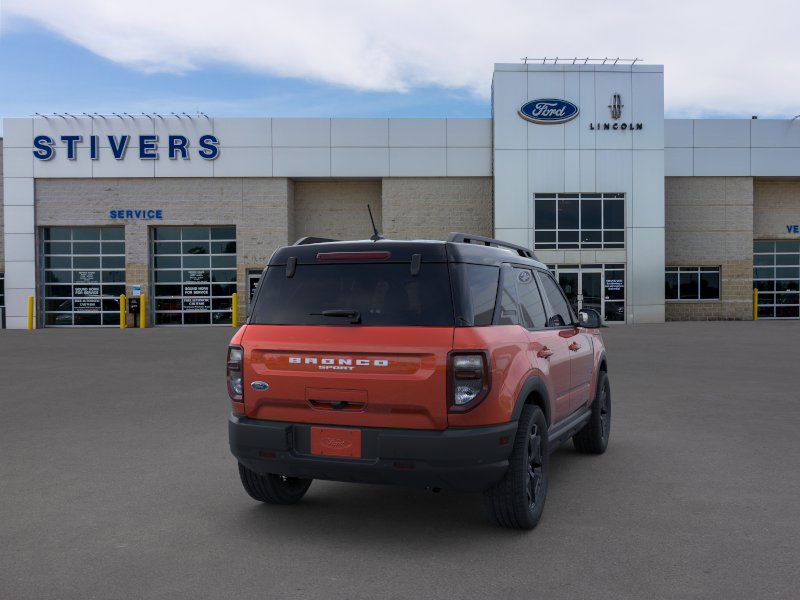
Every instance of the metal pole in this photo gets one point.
(142, 311)
(755, 304)
(122, 323)
(30, 312)
(234, 309)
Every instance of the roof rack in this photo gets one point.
(466, 238)
(310, 239)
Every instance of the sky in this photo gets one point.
(354, 58)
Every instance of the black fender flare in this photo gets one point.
(533, 384)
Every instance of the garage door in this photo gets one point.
(776, 274)
(82, 275)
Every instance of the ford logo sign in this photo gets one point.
(548, 111)
(259, 385)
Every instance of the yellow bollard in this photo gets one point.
(755, 304)
(30, 312)
(122, 323)
(142, 311)
(234, 309)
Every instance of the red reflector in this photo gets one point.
(370, 255)
(504, 439)
(264, 454)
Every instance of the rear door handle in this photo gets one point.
(545, 352)
(574, 347)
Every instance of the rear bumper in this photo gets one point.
(460, 459)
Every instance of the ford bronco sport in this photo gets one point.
(454, 365)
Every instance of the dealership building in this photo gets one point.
(645, 218)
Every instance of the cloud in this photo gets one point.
(720, 56)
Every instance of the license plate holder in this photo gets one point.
(336, 441)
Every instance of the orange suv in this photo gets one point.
(453, 365)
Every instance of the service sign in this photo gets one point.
(548, 111)
(86, 304)
(192, 304)
(196, 290)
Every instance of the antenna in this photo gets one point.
(375, 236)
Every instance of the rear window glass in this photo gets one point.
(383, 294)
(475, 287)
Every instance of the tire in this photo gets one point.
(518, 500)
(593, 438)
(273, 489)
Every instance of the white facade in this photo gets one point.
(532, 158)
(524, 158)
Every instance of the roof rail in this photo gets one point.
(310, 239)
(466, 238)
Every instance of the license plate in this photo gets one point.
(334, 441)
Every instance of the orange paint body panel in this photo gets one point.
(348, 375)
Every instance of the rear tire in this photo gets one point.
(518, 500)
(593, 438)
(273, 489)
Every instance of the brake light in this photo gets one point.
(234, 372)
(468, 379)
(369, 255)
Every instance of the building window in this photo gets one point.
(692, 283)
(83, 275)
(578, 221)
(776, 274)
(194, 275)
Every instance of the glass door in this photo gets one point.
(601, 287)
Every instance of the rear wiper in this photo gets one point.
(353, 315)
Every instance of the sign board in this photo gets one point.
(87, 290)
(197, 290)
(196, 304)
(87, 277)
(136, 290)
(198, 275)
(614, 285)
(86, 304)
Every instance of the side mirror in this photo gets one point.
(589, 318)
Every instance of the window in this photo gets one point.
(383, 294)
(691, 283)
(776, 274)
(578, 221)
(475, 292)
(530, 300)
(83, 275)
(194, 275)
(2, 299)
(508, 299)
(561, 314)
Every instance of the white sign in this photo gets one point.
(136, 290)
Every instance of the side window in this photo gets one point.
(530, 301)
(507, 304)
(561, 315)
(482, 285)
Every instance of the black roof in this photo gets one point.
(461, 248)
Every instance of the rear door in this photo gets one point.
(548, 349)
(579, 345)
(383, 365)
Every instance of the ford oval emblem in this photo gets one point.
(548, 111)
(259, 385)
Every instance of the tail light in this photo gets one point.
(467, 379)
(234, 372)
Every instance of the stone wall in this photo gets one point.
(430, 208)
(776, 204)
(336, 209)
(709, 222)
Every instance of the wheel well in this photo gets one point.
(603, 366)
(535, 398)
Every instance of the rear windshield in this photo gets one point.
(382, 294)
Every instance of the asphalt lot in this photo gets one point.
(116, 482)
